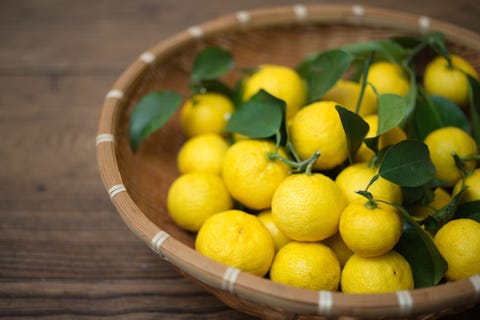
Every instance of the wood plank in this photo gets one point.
(126, 299)
(64, 251)
(101, 37)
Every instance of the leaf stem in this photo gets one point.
(414, 52)
(364, 80)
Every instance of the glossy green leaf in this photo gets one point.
(434, 112)
(421, 195)
(323, 70)
(417, 247)
(372, 143)
(468, 210)
(212, 85)
(407, 42)
(436, 41)
(441, 217)
(150, 113)
(408, 164)
(260, 117)
(474, 94)
(211, 63)
(384, 50)
(355, 129)
(391, 111)
(410, 98)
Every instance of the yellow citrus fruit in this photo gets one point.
(280, 81)
(367, 231)
(441, 143)
(459, 243)
(317, 127)
(307, 207)
(449, 82)
(279, 238)
(356, 177)
(202, 153)
(347, 92)
(250, 176)
(193, 197)
(386, 273)
(205, 113)
(388, 77)
(307, 265)
(472, 182)
(339, 247)
(440, 199)
(388, 138)
(237, 239)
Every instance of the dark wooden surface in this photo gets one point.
(64, 251)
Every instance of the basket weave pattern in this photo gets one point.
(137, 183)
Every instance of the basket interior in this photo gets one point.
(149, 173)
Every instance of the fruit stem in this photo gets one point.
(311, 162)
(460, 163)
(371, 204)
(297, 166)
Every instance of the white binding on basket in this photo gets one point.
(195, 31)
(116, 189)
(424, 23)
(243, 16)
(115, 94)
(158, 240)
(147, 57)
(325, 302)
(301, 11)
(475, 280)
(405, 302)
(358, 10)
(104, 137)
(229, 278)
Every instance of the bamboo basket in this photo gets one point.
(137, 183)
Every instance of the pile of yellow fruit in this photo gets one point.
(309, 213)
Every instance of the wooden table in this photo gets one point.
(64, 251)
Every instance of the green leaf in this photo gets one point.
(417, 195)
(211, 63)
(406, 41)
(410, 98)
(150, 113)
(384, 50)
(434, 112)
(260, 117)
(407, 163)
(391, 111)
(417, 247)
(436, 41)
(441, 217)
(372, 143)
(422, 195)
(323, 70)
(468, 210)
(355, 129)
(474, 94)
(213, 85)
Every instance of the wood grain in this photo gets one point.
(64, 251)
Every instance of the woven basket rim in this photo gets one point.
(244, 285)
